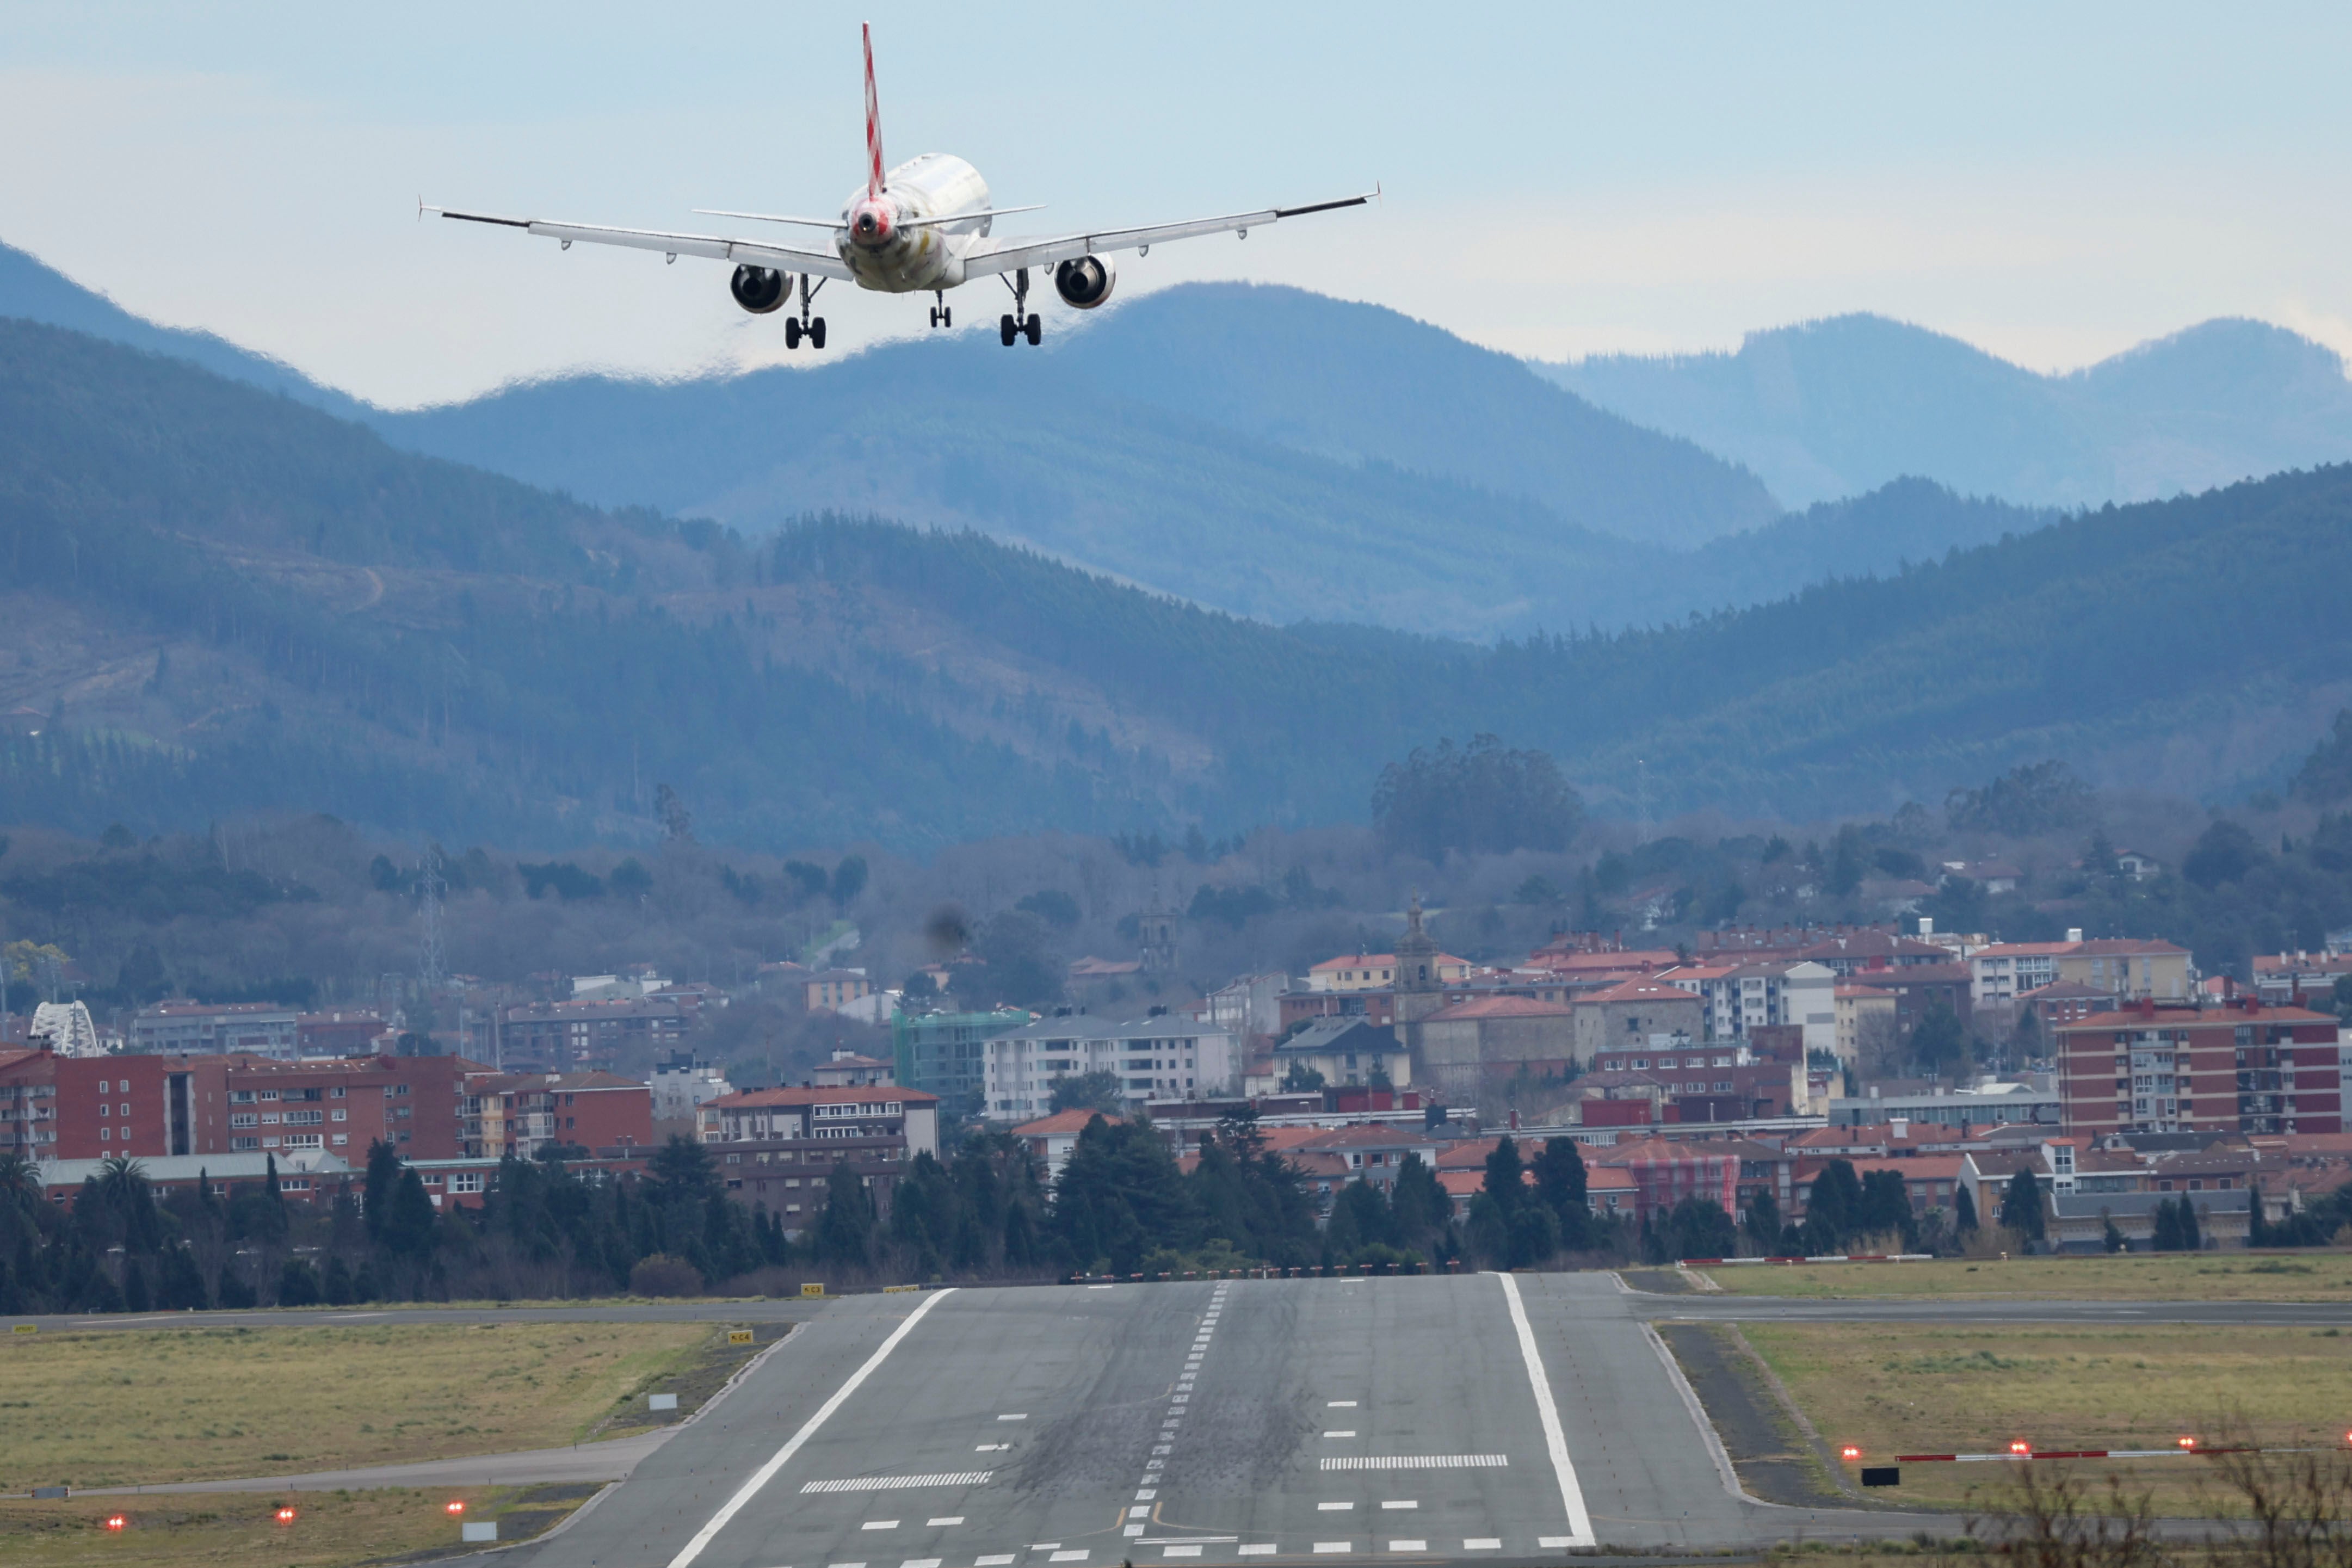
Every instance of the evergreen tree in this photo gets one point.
(2168, 1228)
(1764, 1221)
(1560, 1183)
(1885, 1208)
(2020, 1207)
(2191, 1240)
(1965, 1207)
(844, 1230)
(1832, 1208)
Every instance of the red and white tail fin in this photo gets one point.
(873, 122)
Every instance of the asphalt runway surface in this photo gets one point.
(1483, 1418)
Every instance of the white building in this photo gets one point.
(1166, 1056)
(682, 1085)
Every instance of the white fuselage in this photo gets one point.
(906, 260)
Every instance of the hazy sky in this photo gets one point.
(2053, 183)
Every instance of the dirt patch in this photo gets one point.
(1775, 1459)
(695, 1382)
(1659, 1281)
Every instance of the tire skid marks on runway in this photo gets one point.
(1164, 1445)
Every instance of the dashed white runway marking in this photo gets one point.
(1079, 1556)
(1402, 1502)
(1320, 1546)
(1483, 1543)
(1421, 1462)
(1180, 1551)
(1260, 1548)
(1408, 1546)
(1347, 1434)
(897, 1483)
(1017, 1415)
(944, 1518)
(1550, 1541)
(1339, 1405)
(997, 1559)
(921, 1562)
(992, 1448)
(1334, 1507)
(879, 1524)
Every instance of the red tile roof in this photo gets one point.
(1046, 1126)
(1644, 990)
(762, 1099)
(1503, 1007)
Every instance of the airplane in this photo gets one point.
(921, 227)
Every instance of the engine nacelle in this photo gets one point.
(760, 289)
(1086, 282)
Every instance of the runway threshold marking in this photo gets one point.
(766, 1473)
(1424, 1462)
(1579, 1523)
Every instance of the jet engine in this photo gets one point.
(760, 289)
(1086, 282)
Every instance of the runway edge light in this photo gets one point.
(456, 1505)
(1848, 1453)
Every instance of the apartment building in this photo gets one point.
(1161, 1055)
(2244, 1068)
(2130, 969)
(778, 1149)
(521, 1114)
(577, 1036)
(195, 1029)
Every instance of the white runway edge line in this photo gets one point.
(765, 1473)
(1579, 1523)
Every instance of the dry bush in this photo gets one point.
(659, 1274)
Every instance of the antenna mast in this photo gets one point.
(431, 962)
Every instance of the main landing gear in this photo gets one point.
(1021, 324)
(814, 330)
(941, 315)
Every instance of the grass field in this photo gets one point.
(2313, 1275)
(330, 1530)
(1939, 1388)
(130, 1408)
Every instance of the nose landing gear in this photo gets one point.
(1020, 323)
(805, 326)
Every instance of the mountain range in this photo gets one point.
(1836, 407)
(1261, 450)
(220, 600)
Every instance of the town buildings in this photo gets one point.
(779, 1149)
(1162, 1055)
(946, 1053)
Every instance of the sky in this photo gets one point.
(2054, 184)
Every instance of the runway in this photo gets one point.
(1227, 1422)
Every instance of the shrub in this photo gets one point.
(659, 1274)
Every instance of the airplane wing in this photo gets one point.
(1010, 254)
(748, 252)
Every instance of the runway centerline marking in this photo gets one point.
(1001, 1559)
(1334, 1507)
(1402, 1502)
(776, 1461)
(1483, 1543)
(1264, 1549)
(1320, 1546)
(947, 1519)
(1579, 1523)
(879, 1524)
(1339, 1405)
(1348, 1434)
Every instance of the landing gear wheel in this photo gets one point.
(947, 315)
(792, 332)
(1007, 331)
(935, 315)
(1037, 331)
(816, 333)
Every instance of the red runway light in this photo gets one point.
(285, 1516)
(2021, 1447)
(2188, 1442)
(457, 1508)
(115, 1521)
(1849, 1452)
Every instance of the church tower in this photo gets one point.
(1155, 931)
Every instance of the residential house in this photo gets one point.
(2245, 1068)
(1161, 1054)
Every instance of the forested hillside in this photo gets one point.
(1833, 407)
(221, 601)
